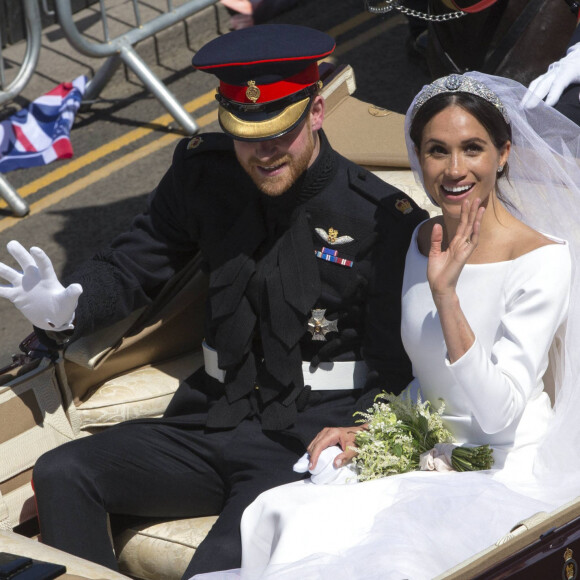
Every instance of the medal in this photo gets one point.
(318, 326)
(332, 256)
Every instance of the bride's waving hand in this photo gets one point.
(443, 270)
(445, 263)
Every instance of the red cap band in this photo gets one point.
(272, 91)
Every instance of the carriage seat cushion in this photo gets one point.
(142, 393)
(160, 549)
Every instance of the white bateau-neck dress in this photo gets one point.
(495, 392)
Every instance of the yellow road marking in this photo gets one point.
(103, 172)
(349, 24)
(124, 140)
(371, 33)
(107, 148)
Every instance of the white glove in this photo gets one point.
(36, 291)
(325, 473)
(559, 76)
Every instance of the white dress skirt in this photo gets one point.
(420, 524)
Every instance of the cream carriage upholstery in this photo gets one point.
(132, 369)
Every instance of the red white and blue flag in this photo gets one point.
(40, 133)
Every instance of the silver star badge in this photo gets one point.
(318, 326)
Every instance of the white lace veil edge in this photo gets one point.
(544, 191)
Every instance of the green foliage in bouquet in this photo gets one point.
(399, 430)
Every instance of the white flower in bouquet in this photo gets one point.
(398, 431)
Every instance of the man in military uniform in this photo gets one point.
(305, 254)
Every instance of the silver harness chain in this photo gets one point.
(388, 5)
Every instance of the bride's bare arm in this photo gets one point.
(443, 270)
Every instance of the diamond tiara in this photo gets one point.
(458, 84)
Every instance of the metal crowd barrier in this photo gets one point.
(120, 50)
(116, 51)
(8, 91)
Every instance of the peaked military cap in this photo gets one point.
(268, 76)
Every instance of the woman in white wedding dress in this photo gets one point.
(489, 300)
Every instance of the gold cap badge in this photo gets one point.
(252, 92)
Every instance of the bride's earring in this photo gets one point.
(500, 169)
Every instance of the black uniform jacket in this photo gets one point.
(335, 241)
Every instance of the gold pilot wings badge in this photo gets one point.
(332, 238)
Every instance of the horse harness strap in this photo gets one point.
(515, 31)
(477, 7)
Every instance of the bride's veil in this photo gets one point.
(543, 190)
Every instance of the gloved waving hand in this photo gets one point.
(36, 291)
(560, 75)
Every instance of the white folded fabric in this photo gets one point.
(325, 473)
(438, 458)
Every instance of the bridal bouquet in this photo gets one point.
(399, 431)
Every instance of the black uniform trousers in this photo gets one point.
(154, 469)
